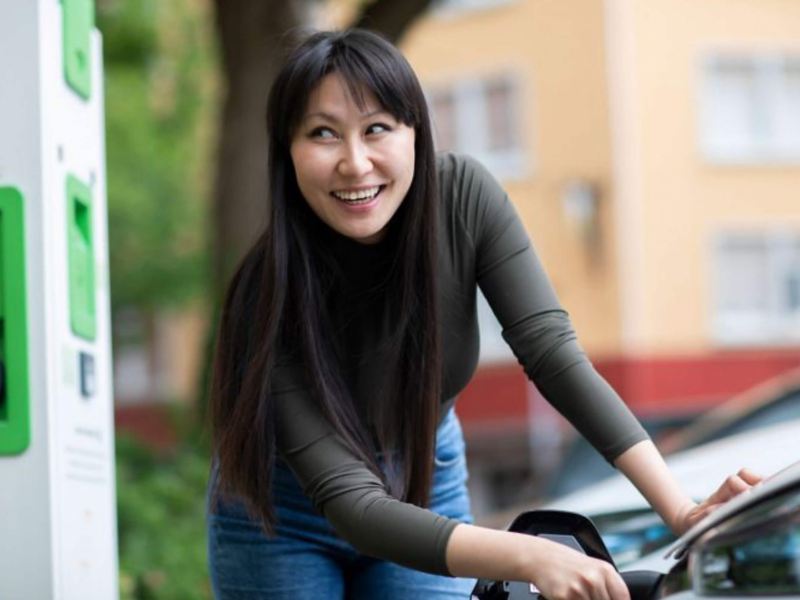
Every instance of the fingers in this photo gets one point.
(749, 477)
(732, 486)
(735, 485)
(571, 575)
(597, 581)
(615, 586)
(608, 585)
(702, 512)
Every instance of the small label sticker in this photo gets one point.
(88, 380)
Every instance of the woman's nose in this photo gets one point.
(356, 161)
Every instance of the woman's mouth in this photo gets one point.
(358, 197)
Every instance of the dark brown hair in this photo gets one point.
(277, 303)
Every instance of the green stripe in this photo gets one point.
(15, 413)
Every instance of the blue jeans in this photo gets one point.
(306, 559)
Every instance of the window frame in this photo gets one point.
(471, 121)
(765, 147)
(777, 324)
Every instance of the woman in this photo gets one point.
(347, 333)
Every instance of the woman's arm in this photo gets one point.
(346, 491)
(643, 465)
(557, 571)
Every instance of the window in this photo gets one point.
(750, 109)
(757, 288)
(501, 134)
(480, 118)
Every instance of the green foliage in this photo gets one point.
(128, 31)
(161, 517)
(159, 76)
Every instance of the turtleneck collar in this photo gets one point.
(362, 265)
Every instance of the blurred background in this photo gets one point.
(652, 150)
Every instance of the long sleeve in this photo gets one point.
(536, 327)
(350, 496)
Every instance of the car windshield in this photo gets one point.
(583, 465)
(631, 534)
(781, 410)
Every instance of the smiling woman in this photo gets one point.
(354, 161)
(346, 335)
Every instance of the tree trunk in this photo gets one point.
(251, 40)
(392, 18)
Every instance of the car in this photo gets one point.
(775, 400)
(635, 535)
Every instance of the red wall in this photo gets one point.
(653, 386)
(650, 386)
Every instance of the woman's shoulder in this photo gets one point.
(462, 175)
(455, 167)
(468, 189)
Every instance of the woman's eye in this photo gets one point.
(378, 128)
(322, 132)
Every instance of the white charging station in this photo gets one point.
(57, 478)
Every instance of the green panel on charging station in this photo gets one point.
(14, 399)
(78, 16)
(82, 315)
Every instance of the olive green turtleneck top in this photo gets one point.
(481, 243)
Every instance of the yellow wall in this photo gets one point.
(556, 51)
(672, 200)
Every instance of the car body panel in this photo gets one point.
(700, 471)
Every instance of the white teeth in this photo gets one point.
(366, 194)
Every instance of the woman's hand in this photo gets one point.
(561, 573)
(734, 485)
(646, 469)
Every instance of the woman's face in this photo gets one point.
(353, 166)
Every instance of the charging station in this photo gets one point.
(57, 478)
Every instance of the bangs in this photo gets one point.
(367, 64)
(382, 80)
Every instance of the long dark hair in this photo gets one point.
(276, 302)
